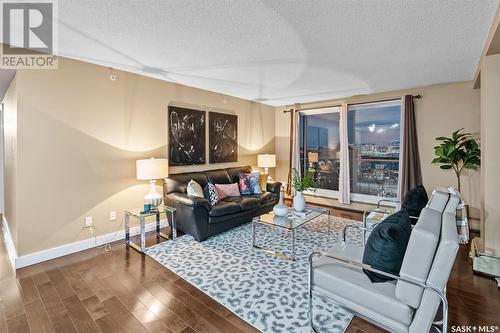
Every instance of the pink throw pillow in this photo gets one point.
(228, 190)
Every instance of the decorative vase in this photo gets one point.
(299, 202)
(280, 209)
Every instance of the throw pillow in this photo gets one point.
(227, 190)
(386, 246)
(415, 200)
(211, 194)
(194, 189)
(249, 183)
(263, 182)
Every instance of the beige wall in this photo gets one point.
(442, 109)
(80, 134)
(10, 159)
(490, 154)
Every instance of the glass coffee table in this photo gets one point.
(289, 223)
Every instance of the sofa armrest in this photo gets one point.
(189, 200)
(274, 187)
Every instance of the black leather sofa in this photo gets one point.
(195, 216)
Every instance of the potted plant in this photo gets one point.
(459, 152)
(300, 184)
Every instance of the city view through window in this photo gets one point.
(374, 146)
(374, 134)
(321, 152)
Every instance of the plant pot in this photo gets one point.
(299, 202)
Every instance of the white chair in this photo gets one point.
(409, 303)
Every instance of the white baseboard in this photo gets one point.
(56, 252)
(9, 242)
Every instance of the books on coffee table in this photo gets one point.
(304, 213)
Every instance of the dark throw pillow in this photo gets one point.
(415, 200)
(386, 246)
(211, 194)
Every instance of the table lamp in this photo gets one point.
(266, 161)
(152, 169)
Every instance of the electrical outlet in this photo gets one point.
(88, 222)
(112, 216)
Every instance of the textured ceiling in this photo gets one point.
(282, 51)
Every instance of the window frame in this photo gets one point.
(366, 198)
(333, 194)
(357, 197)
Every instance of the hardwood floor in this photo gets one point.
(122, 291)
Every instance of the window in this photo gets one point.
(374, 137)
(373, 142)
(320, 146)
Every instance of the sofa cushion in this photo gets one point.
(264, 197)
(386, 246)
(247, 203)
(352, 284)
(219, 176)
(232, 199)
(415, 200)
(224, 208)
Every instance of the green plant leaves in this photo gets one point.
(458, 152)
(303, 183)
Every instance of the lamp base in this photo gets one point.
(153, 197)
(266, 172)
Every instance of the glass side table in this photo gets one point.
(136, 213)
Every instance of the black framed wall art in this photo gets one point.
(186, 136)
(222, 137)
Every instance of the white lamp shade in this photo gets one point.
(312, 157)
(153, 168)
(266, 161)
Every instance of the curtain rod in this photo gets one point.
(337, 105)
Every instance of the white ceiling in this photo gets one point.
(282, 51)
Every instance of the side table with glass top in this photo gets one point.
(141, 216)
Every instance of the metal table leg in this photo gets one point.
(329, 223)
(170, 221)
(253, 234)
(142, 227)
(158, 223)
(268, 250)
(143, 233)
(127, 229)
(173, 226)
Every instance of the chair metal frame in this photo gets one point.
(441, 293)
(377, 209)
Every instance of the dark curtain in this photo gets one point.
(411, 173)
